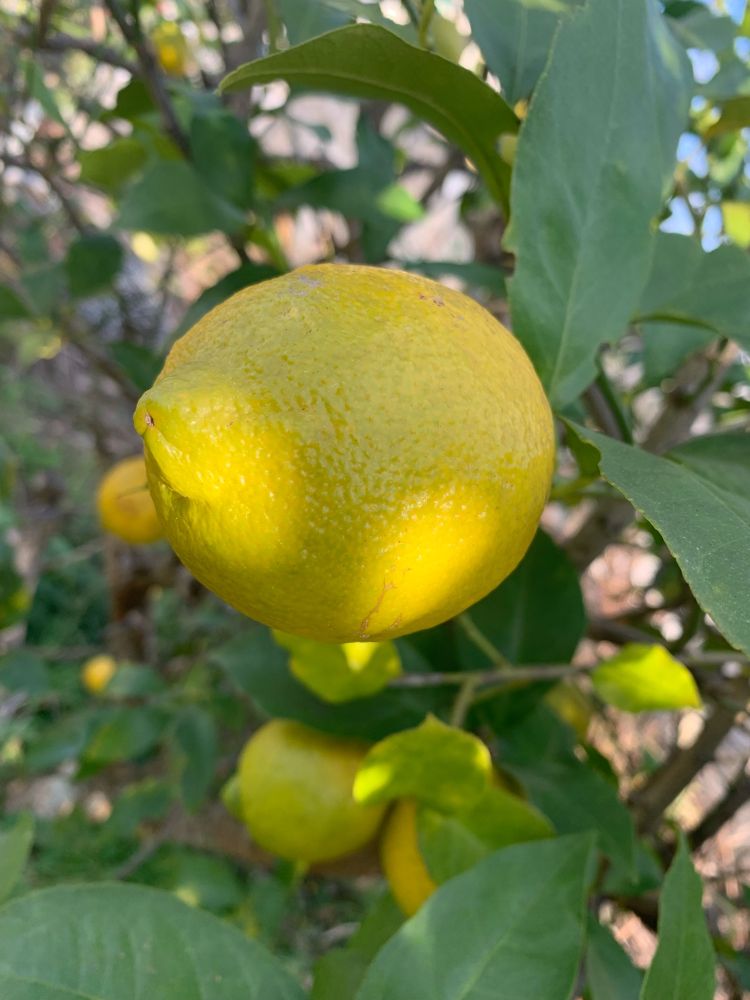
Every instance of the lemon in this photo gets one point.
(97, 672)
(296, 793)
(403, 865)
(171, 48)
(348, 453)
(125, 505)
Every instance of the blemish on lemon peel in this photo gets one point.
(400, 454)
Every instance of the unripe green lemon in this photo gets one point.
(296, 793)
(348, 453)
(124, 503)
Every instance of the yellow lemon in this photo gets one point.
(296, 793)
(403, 865)
(125, 505)
(348, 453)
(171, 48)
(97, 672)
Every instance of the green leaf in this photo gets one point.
(11, 306)
(610, 975)
(701, 29)
(707, 290)
(112, 166)
(223, 154)
(698, 498)
(92, 263)
(645, 679)
(585, 191)
(172, 199)
(453, 844)
(684, 963)
(535, 616)
(735, 115)
(577, 800)
(195, 748)
(144, 802)
(22, 670)
(304, 20)
(136, 942)
(667, 345)
(339, 973)
(45, 287)
(65, 739)
(197, 878)
(436, 764)
(15, 847)
(259, 668)
(474, 274)
(368, 61)
(133, 681)
(139, 363)
(39, 90)
(513, 925)
(341, 673)
(125, 733)
(247, 274)
(515, 37)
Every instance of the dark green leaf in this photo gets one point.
(520, 930)
(21, 670)
(515, 38)
(684, 963)
(535, 616)
(92, 264)
(371, 62)
(139, 363)
(110, 167)
(61, 741)
(144, 802)
(584, 193)
(138, 943)
(194, 877)
(223, 155)
(45, 287)
(15, 847)
(704, 290)
(235, 281)
(667, 345)
(474, 274)
(11, 306)
(125, 733)
(195, 744)
(610, 975)
(304, 19)
(259, 668)
(172, 199)
(698, 498)
(577, 800)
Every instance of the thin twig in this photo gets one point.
(464, 701)
(61, 42)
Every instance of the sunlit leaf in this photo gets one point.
(339, 673)
(644, 679)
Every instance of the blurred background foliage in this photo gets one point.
(134, 198)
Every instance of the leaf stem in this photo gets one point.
(474, 634)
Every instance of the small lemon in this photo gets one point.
(125, 505)
(348, 453)
(171, 48)
(296, 790)
(97, 672)
(403, 865)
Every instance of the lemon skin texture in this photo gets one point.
(348, 453)
(124, 503)
(296, 793)
(401, 860)
(97, 672)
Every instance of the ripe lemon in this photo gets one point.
(97, 672)
(403, 865)
(296, 791)
(125, 505)
(171, 48)
(348, 453)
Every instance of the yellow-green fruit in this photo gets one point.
(125, 505)
(348, 453)
(296, 788)
(97, 672)
(171, 48)
(403, 865)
